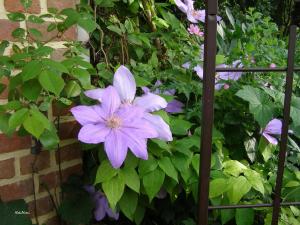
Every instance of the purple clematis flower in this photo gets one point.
(173, 106)
(187, 7)
(273, 128)
(125, 85)
(101, 204)
(119, 126)
(194, 29)
(221, 76)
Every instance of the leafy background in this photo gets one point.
(150, 37)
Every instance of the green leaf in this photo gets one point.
(234, 168)
(227, 215)
(131, 178)
(83, 76)
(35, 33)
(139, 214)
(41, 117)
(53, 65)
(244, 216)
(180, 126)
(35, 19)
(31, 70)
(34, 126)
(128, 203)
(152, 182)
(87, 23)
(72, 89)
(115, 29)
(230, 17)
(16, 16)
(4, 118)
(18, 118)
(18, 33)
(105, 172)
(26, 3)
(167, 166)
(255, 180)
(251, 146)
(49, 139)
(31, 89)
(8, 216)
(260, 105)
(147, 166)
(239, 187)
(217, 187)
(113, 190)
(52, 82)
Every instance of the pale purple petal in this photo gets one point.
(93, 134)
(115, 147)
(136, 143)
(271, 139)
(140, 128)
(151, 102)
(129, 113)
(170, 92)
(191, 16)
(95, 94)
(145, 90)
(274, 127)
(199, 70)
(218, 86)
(183, 7)
(111, 102)
(109, 211)
(161, 127)
(158, 83)
(99, 212)
(174, 106)
(125, 84)
(90, 189)
(86, 114)
(186, 65)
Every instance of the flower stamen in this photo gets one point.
(114, 122)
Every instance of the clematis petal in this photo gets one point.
(136, 144)
(109, 211)
(199, 70)
(161, 127)
(140, 128)
(99, 212)
(183, 7)
(273, 127)
(90, 189)
(191, 17)
(116, 148)
(129, 112)
(93, 134)
(174, 106)
(86, 114)
(95, 94)
(151, 102)
(145, 90)
(271, 139)
(112, 101)
(186, 65)
(125, 84)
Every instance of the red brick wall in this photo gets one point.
(16, 180)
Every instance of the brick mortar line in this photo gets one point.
(54, 192)
(20, 178)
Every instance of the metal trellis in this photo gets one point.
(210, 49)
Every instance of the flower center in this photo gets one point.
(114, 122)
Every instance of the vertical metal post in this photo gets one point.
(210, 50)
(285, 125)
